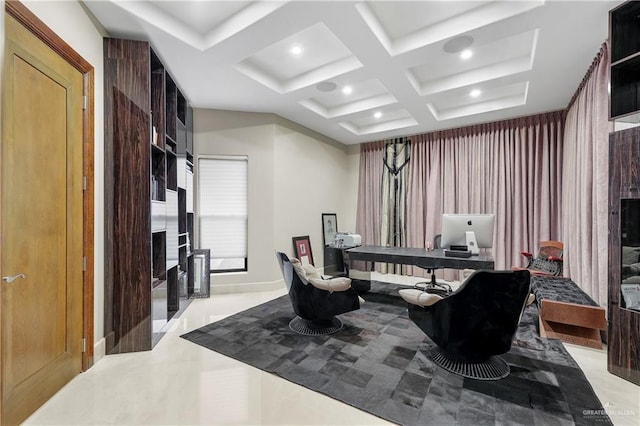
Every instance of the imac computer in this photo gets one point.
(472, 230)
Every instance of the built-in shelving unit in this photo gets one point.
(149, 181)
(624, 36)
(624, 185)
(623, 334)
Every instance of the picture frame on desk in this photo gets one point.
(302, 249)
(329, 228)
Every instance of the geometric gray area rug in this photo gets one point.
(378, 363)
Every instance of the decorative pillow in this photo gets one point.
(311, 271)
(309, 274)
(299, 269)
(630, 255)
(334, 284)
(531, 298)
(419, 297)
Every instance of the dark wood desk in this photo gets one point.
(334, 261)
(417, 257)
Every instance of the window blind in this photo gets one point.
(222, 206)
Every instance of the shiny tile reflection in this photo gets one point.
(183, 383)
(619, 397)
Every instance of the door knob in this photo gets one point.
(13, 278)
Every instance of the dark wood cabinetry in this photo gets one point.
(624, 36)
(624, 185)
(147, 191)
(334, 261)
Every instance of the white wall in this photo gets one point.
(251, 134)
(311, 178)
(69, 20)
(295, 175)
(351, 186)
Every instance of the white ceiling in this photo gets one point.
(528, 57)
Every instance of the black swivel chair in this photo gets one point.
(316, 301)
(433, 285)
(474, 324)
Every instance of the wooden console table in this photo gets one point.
(568, 313)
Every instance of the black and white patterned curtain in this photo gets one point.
(394, 196)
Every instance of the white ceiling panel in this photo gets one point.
(489, 55)
(349, 99)
(320, 55)
(528, 57)
(388, 120)
(448, 20)
(489, 99)
(491, 61)
(203, 16)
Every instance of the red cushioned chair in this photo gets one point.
(548, 261)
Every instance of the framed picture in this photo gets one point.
(302, 249)
(329, 227)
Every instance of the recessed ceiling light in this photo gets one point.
(466, 54)
(347, 90)
(296, 50)
(475, 93)
(458, 44)
(378, 114)
(326, 86)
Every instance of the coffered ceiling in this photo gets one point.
(368, 70)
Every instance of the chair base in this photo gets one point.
(495, 368)
(441, 289)
(315, 328)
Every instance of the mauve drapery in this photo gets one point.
(510, 168)
(368, 214)
(563, 166)
(585, 182)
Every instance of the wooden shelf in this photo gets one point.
(143, 110)
(623, 332)
(624, 35)
(624, 27)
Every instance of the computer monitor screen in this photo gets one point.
(456, 226)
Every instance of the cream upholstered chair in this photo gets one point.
(315, 300)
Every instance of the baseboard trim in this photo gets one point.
(99, 350)
(246, 287)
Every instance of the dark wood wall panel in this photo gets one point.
(141, 294)
(127, 195)
(624, 324)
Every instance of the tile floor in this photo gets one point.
(182, 383)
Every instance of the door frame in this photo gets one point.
(32, 23)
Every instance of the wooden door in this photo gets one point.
(42, 223)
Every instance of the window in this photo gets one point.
(222, 208)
